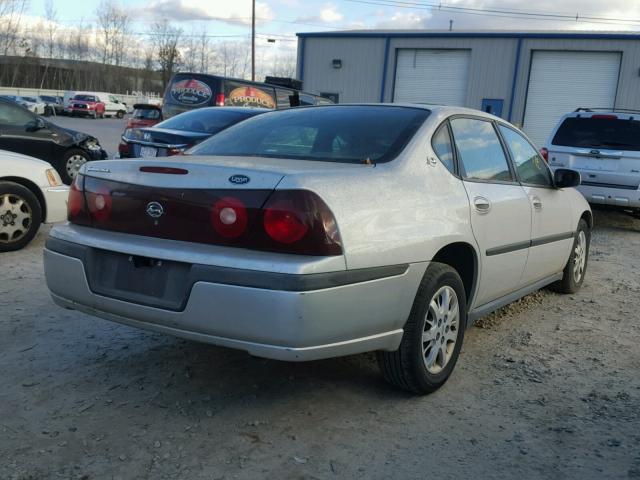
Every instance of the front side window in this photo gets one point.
(480, 151)
(531, 168)
(14, 115)
(349, 134)
(441, 143)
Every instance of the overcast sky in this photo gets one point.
(281, 19)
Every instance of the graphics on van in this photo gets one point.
(191, 92)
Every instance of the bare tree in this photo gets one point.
(11, 12)
(51, 28)
(113, 30)
(165, 39)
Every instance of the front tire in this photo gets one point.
(20, 216)
(72, 160)
(432, 336)
(576, 268)
(120, 114)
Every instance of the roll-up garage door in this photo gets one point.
(560, 82)
(432, 76)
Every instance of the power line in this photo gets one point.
(497, 12)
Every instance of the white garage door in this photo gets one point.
(432, 76)
(560, 82)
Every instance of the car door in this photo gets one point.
(552, 230)
(16, 137)
(499, 207)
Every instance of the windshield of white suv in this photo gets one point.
(602, 132)
(347, 134)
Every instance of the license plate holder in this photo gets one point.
(146, 152)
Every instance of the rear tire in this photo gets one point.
(576, 268)
(20, 216)
(433, 334)
(120, 114)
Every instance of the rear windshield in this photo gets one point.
(86, 98)
(608, 133)
(206, 120)
(348, 134)
(146, 113)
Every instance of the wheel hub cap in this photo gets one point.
(440, 329)
(15, 218)
(580, 257)
(74, 163)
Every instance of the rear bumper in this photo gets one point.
(610, 195)
(298, 318)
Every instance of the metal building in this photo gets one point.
(528, 78)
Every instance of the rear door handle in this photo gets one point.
(482, 204)
(537, 203)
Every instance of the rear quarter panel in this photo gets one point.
(399, 212)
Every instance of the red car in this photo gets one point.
(144, 115)
(86, 105)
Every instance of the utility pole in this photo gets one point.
(450, 25)
(253, 40)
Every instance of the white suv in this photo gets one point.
(604, 146)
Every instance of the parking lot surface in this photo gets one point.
(545, 388)
(106, 130)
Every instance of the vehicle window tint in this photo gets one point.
(282, 97)
(146, 113)
(206, 120)
(480, 151)
(14, 115)
(86, 98)
(599, 132)
(307, 99)
(530, 166)
(349, 134)
(441, 143)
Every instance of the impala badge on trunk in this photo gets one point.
(154, 210)
(239, 179)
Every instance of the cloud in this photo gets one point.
(404, 20)
(328, 14)
(232, 12)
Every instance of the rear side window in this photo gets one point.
(283, 98)
(441, 143)
(350, 134)
(480, 151)
(531, 168)
(598, 132)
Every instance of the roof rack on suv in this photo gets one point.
(594, 109)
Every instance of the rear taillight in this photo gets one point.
(175, 151)
(229, 217)
(75, 203)
(545, 154)
(123, 148)
(298, 221)
(220, 100)
(284, 222)
(99, 202)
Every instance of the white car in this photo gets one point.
(604, 146)
(34, 104)
(315, 232)
(31, 193)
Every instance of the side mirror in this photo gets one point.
(35, 125)
(566, 178)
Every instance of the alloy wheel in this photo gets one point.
(440, 329)
(580, 257)
(15, 218)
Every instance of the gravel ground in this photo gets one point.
(545, 388)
